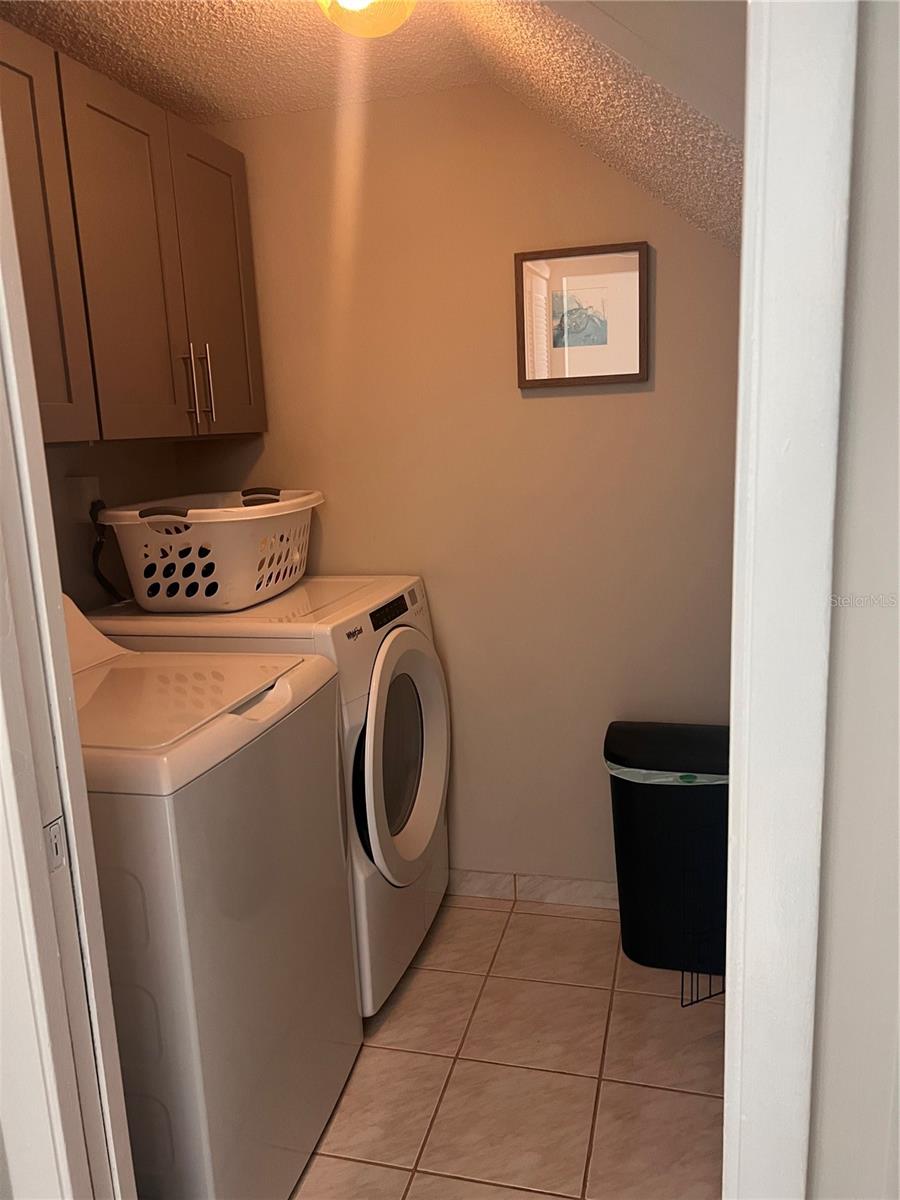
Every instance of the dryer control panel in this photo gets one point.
(388, 612)
(353, 642)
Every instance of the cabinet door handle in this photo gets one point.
(212, 394)
(195, 407)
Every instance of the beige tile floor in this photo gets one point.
(522, 1056)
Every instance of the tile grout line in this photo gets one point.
(371, 1162)
(509, 913)
(366, 1162)
(593, 1128)
(454, 1061)
(444, 971)
(492, 1062)
(501, 1186)
(524, 913)
(542, 916)
(587, 987)
(592, 987)
(662, 1087)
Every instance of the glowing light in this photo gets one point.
(367, 18)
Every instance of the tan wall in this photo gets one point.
(853, 1146)
(576, 546)
(126, 472)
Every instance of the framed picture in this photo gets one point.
(582, 315)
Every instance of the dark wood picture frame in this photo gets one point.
(643, 372)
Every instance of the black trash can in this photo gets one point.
(669, 788)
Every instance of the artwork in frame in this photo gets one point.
(582, 315)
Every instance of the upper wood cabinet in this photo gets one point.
(134, 237)
(217, 269)
(45, 233)
(125, 209)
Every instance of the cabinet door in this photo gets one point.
(45, 233)
(219, 288)
(125, 209)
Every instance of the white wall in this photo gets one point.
(576, 545)
(853, 1150)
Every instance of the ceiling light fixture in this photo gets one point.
(367, 18)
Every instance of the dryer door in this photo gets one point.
(407, 754)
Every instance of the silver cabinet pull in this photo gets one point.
(212, 394)
(195, 407)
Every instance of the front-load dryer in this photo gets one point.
(395, 726)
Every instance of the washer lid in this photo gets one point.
(152, 722)
(140, 701)
(149, 701)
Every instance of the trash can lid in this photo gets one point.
(661, 746)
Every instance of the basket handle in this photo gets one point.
(260, 495)
(162, 510)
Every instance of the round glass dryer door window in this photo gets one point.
(402, 751)
(405, 756)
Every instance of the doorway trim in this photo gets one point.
(72, 1140)
(801, 61)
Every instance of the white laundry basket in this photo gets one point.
(214, 552)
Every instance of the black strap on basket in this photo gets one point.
(162, 510)
(97, 507)
(250, 497)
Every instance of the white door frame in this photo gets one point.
(62, 1109)
(797, 149)
(801, 59)
(40, 1114)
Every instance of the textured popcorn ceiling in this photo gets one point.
(628, 119)
(213, 60)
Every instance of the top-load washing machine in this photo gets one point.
(395, 727)
(215, 801)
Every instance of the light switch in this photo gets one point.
(55, 835)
